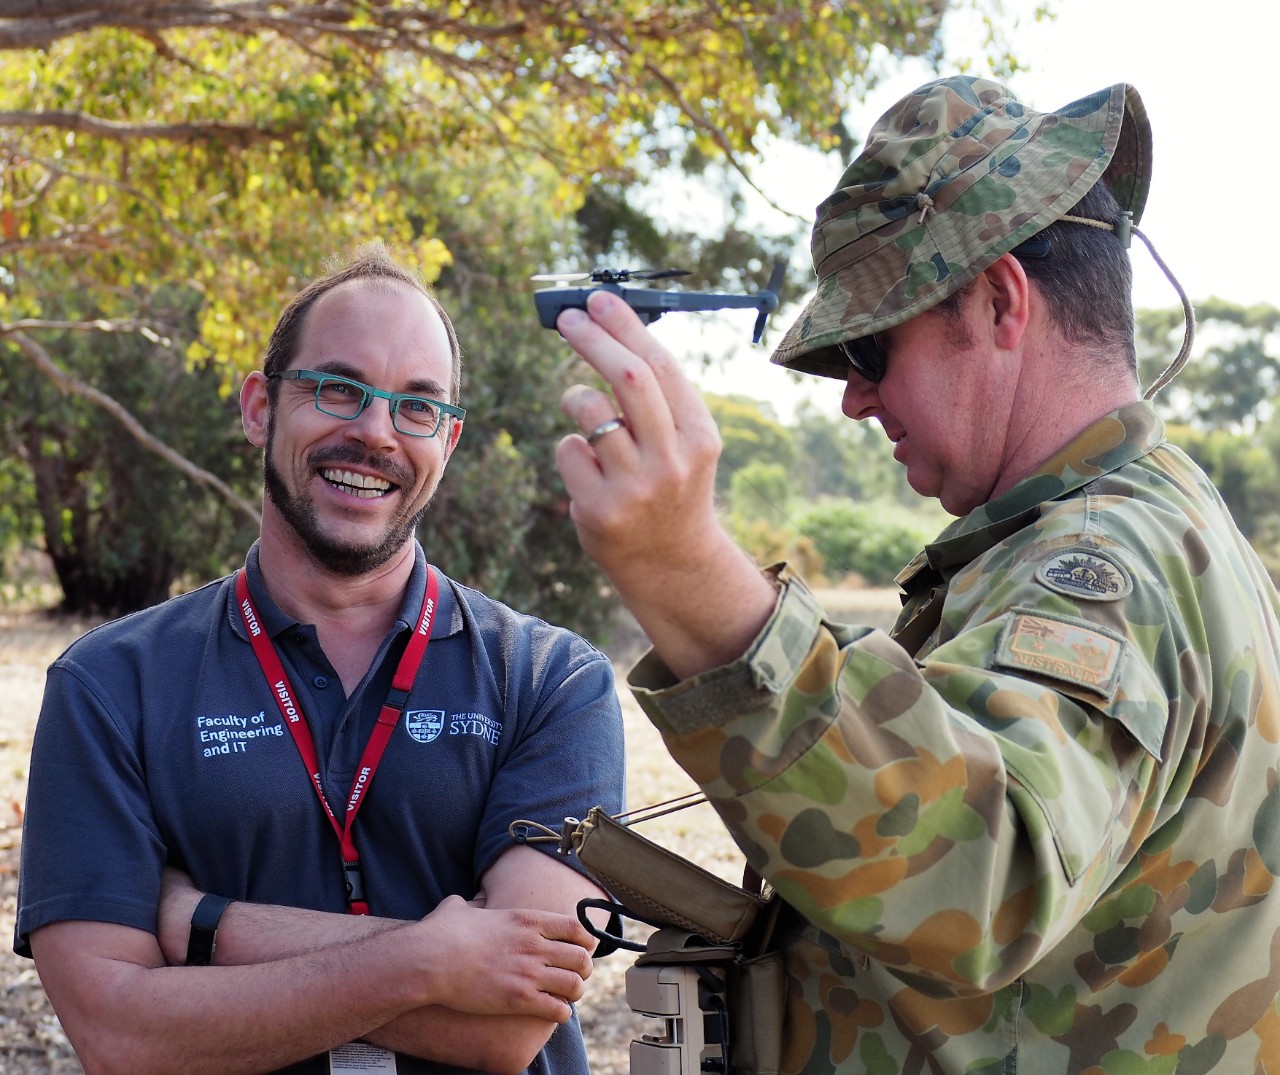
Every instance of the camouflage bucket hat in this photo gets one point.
(956, 174)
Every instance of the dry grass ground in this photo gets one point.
(31, 1041)
(30, 1038)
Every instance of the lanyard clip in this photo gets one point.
(353, 877)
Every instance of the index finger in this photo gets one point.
(644, 377)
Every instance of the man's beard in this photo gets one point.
(299, 512)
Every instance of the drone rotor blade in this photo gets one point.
(659, 274)
(544, 277)
(771, 296)
(776, 277)
(757, 333)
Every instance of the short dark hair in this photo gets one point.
(370, 262)
(1085, 278)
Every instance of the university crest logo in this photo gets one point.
(424, 724)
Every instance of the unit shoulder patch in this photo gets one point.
(1059, 647)
(1086, 574)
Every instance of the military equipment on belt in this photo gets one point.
(709, 972)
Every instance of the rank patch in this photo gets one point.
(1071, 651)
(1086, 574)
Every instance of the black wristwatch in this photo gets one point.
(204, 929)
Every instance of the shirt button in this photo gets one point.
(321, 681)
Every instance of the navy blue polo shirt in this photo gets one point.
(160, 742)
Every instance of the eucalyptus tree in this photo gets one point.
(226, 146)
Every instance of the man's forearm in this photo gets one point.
(122, 1015)
(701, 618)
(257, 933)
(125, 1010)
(251, 933)
(502, 1044)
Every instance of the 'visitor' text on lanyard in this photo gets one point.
(287, 701)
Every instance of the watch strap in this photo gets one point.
(204, 929)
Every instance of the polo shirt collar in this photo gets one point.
(448, 617)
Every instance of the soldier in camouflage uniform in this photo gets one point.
(1037, 826)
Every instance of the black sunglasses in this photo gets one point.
(866, 356)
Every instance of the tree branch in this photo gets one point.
(69, 385)
(236, 134)
(99, 324)
(38, 23)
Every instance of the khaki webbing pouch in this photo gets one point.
(661, 887)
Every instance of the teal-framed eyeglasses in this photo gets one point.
(341, 397)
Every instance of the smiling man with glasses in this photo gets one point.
(268, 820)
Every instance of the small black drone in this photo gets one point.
(650, 303)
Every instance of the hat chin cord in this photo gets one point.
(1123, 230)
(1188, 333)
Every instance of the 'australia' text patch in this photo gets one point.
(1057, 647)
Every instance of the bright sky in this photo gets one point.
(1212, 212)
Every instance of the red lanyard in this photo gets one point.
(388, 717)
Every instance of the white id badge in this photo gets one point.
(361, 1056)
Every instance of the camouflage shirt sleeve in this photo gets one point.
(955, 813)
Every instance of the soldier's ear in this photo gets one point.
(1009, 301)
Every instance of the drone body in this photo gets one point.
(650, 303)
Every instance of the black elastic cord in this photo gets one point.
(610, 937)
